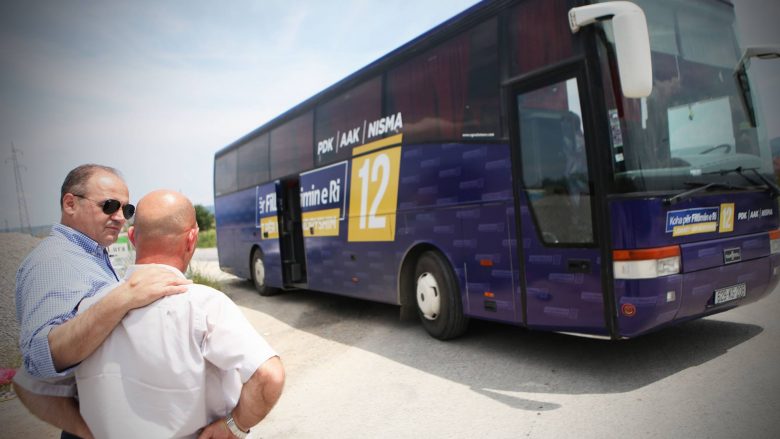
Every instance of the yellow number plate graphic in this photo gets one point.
(374, 196)
(726, 218)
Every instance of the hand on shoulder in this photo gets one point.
(149, 283)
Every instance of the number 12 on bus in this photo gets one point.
(597, 169)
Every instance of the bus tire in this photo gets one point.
(258, 275)
(438, 297)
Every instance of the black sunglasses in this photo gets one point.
(110, 206)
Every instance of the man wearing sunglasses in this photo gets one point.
(72, 264)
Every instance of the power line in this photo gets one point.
(24, 216)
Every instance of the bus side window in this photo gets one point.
(225, 173)
(554, 163)
(448, 92)
(290, 149)
(253, 162)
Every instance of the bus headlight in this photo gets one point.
(646, 263)
(774, 242)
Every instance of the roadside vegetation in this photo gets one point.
(207, 237)
(198, 277)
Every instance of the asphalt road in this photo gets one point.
(355, 370)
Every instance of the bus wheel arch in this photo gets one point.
(257, 271)
(430, 291)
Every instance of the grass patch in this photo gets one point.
(207, 238)
(201, 278)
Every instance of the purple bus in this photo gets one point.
(598, 169)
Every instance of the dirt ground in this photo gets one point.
(14, 247)
(16, 421)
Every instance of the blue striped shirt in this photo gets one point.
(56, 276)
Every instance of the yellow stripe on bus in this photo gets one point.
(321, 222)
(388, 141)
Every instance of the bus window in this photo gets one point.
(692, 124)
(554, 163)
(695, 128)
(450, 92)
(340, 122)
(225, 180)
(531, 23)
(253, 162)
(291, 147)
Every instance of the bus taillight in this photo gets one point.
(774, 241)
(646, 263)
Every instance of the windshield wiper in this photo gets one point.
(699, 188)
(737, 170)
(774, 190)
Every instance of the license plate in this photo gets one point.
(728, 294)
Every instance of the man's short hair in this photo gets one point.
(76, 179)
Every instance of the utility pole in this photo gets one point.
(24, 216)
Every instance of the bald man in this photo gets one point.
(184, 362)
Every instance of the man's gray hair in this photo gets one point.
(77, 178)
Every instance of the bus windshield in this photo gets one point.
(693, 127)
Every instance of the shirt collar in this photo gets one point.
(134, 267)
(85, 242)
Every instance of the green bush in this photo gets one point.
(204, 218)
(207, 239)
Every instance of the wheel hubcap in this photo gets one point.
(428, 297)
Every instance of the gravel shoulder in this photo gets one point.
(14, 247)
(15, 419)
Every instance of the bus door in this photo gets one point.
(560, 256)
(291, 232)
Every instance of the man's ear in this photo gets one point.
(69, 204)
(131, 235)
(192, 239)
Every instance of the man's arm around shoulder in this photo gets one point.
(73, 341)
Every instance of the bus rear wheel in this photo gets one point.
(438, 297)
(258, 275)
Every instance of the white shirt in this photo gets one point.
(170, 368)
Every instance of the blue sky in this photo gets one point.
(156, 88)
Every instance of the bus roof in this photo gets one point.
(459, 22)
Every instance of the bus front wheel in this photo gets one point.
(258, 275)
(438, 297)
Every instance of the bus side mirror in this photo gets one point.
(632, 42)
(740, 76)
